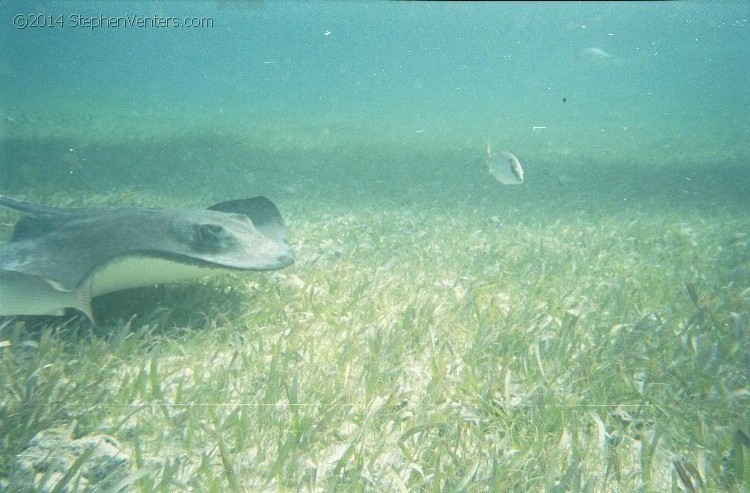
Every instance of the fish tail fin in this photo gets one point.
(83, 300)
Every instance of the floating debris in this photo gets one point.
(505, 167)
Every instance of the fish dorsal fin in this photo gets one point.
(262, 212)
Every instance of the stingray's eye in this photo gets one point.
(210, 231)
(209, 235)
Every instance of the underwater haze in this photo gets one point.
(584, 330)
(399, 96)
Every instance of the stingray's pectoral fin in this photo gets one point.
(81, 298)
(262, 212)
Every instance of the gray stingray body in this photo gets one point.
(60, 258)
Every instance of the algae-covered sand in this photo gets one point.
(439, 332)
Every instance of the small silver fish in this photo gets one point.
(505, 167)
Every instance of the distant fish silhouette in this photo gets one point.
(595, 53)
(505, 167)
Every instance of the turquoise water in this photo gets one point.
(345, 102)
(586, 330)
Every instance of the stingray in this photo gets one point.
(60, 258)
